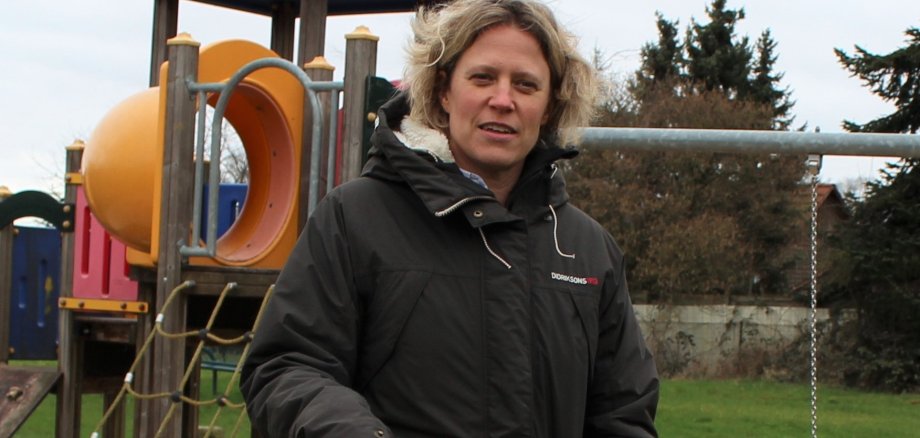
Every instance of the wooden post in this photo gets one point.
(70, 388)
(360, 62)
(6, 282)
(115, 426)
(319, 70)
(175, 219)
(165, 23)
(143, 380)
(312, 30)
(282, 41)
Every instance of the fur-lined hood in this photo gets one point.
(421, 157)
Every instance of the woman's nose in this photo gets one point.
(502, 98)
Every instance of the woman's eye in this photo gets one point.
(480, 77)
(527, 86)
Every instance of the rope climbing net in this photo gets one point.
(204, 335)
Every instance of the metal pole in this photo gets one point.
(738, 141)
(226, 91)
(333, 141)
(319, 70)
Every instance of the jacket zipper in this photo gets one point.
(459, 204)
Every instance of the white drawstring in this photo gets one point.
(555, 235)
(488, 248)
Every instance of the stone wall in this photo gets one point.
(719, 340)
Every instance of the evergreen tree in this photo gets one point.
(662, 62)
(715, 59)
(878, 253)
(765, 87)
(895, 77)
(878, 269)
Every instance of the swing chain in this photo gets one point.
(814, 166)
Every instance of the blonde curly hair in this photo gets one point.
(444, 32)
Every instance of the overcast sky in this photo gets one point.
(66, 63)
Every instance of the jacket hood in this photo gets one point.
(404, 150)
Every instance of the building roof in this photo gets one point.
(830, 196)
(336, 7)
(825, 190)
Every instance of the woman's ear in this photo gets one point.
(546, 114)
(443, 88)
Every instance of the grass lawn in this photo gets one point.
(42, 422)
(734, 408)
(689, 408)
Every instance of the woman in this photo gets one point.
(452, 290)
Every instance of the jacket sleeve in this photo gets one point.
(296, 380)
(623, 396)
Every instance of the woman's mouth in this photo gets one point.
(498, 128)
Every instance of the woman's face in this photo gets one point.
(497, 100)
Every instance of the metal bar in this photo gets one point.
(333, 139)
(97, 305)
(195, 251)
(327, 86)
(214, 176)
(738, 141)
(207, 87)
(217, 87)
(316, 154)
(226, 90)
(199, 167)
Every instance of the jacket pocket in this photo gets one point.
(566, 327)
(385, 314)
(586, 306)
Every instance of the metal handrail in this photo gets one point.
(225, 89)
(745, 141)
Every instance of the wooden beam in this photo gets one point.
(6, 286)
(23, 390)
(282, 41)
(115, 426)
(69, 399)
(143, 381)
(165, 25)
(175, 220)
(360, 63)
(312, 41)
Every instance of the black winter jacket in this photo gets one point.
(416, 305)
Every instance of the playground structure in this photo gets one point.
(106, 318)
(290, 173)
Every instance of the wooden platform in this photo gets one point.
(22, 389)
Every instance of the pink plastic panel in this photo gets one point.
(100, 270)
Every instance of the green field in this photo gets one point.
(731, 408)
(41, 423)
(689, 408)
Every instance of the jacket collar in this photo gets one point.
(420, 157)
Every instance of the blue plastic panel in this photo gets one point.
(35, 290)
(230, 199)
